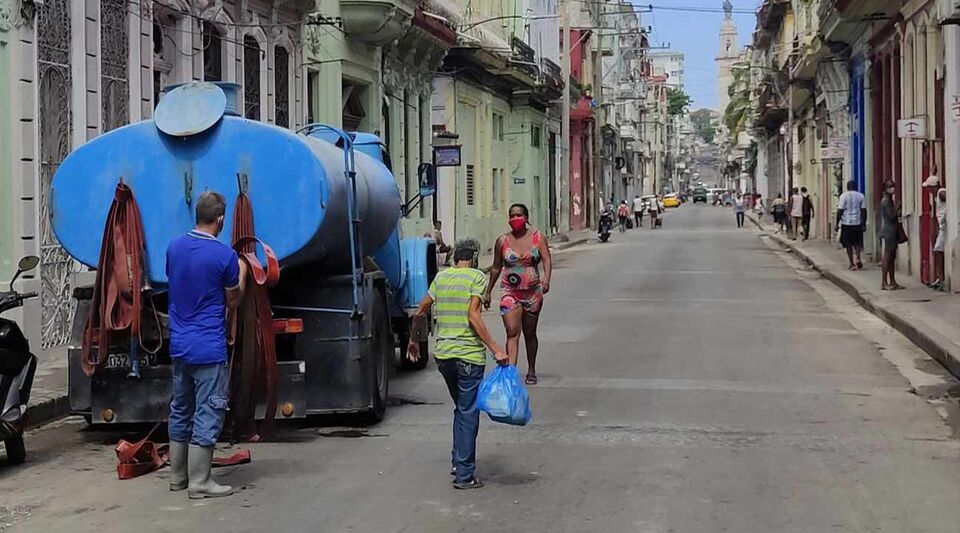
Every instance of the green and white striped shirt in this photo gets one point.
(451, 291)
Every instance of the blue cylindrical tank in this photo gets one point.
(296, 185)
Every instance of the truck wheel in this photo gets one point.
(383, 357)
(16, 450)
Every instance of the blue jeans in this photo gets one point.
(199, 403)
(463, 381)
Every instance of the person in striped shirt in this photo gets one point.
(456, 297)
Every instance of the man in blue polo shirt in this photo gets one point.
(205, 279)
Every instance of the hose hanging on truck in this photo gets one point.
(118, 292)
(253, 365)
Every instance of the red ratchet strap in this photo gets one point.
(253, 365)
(117, 293)
(135, 459)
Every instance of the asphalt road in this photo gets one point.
(693, 379)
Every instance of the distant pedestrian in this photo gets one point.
(443, 249)
(759, 207)
(462, 341)
(939, 245)
(623, 213)
(206, 278)
(890, 236)
(739, 207)
(796, 212)
(807, 209)
(638, 211)
(852, 219)
(779, 209)
(520, 255)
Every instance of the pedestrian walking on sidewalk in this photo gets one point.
(759, 207)
(462, 341)
(940, 201)
(520, 254)
(852, 219)
(623, 213)
(638, 211)
(779, 208)
(206, 278)
(890, 236)
(807, 209)
(796, 212)
(739, 207)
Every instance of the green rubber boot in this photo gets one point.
(178, 466)
(202, 485)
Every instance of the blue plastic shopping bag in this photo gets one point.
(504, 398)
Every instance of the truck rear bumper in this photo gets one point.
(110, 397)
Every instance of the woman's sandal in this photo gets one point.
(859, 265)
(530, 380)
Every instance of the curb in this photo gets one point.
(47, 410)
(570, 244)
(942, 349)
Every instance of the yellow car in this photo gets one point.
(671, 200)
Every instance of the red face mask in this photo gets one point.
(517, 224)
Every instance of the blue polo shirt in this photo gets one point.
(199, 269)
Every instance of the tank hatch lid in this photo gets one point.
(190, 109)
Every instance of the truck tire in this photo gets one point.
(382, 345)
(16, 450)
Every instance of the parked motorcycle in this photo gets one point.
(17, 367)
(606, 223)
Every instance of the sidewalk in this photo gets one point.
(48, 396)
(930, 319)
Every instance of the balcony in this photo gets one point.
(376, 22)
(628, 132)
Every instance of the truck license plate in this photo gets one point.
(122, 360)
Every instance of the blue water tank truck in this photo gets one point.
(323, 199)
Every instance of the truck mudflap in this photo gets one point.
(110, 397)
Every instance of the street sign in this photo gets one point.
(519, 181)
(835, 149)
(912, 128)
(447, 155)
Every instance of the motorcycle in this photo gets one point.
(606, 223)
(17, 367)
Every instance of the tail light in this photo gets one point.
(287, 325)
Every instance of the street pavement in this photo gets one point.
(693, 379)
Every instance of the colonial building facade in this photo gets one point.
(78, 69)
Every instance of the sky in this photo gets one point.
(697, 35)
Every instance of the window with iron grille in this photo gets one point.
(471, 186)
(251, 78)
(212, 52)
(114, 44)
(281, 67)
(535, 136)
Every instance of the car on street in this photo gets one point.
(699, 195)
(671, 200)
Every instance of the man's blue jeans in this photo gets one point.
(463, 381)
(199, 403)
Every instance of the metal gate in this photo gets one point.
(54, 85)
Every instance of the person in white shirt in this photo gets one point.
(638, 211)
(796, 212)
(939, 245)
(852, 219)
